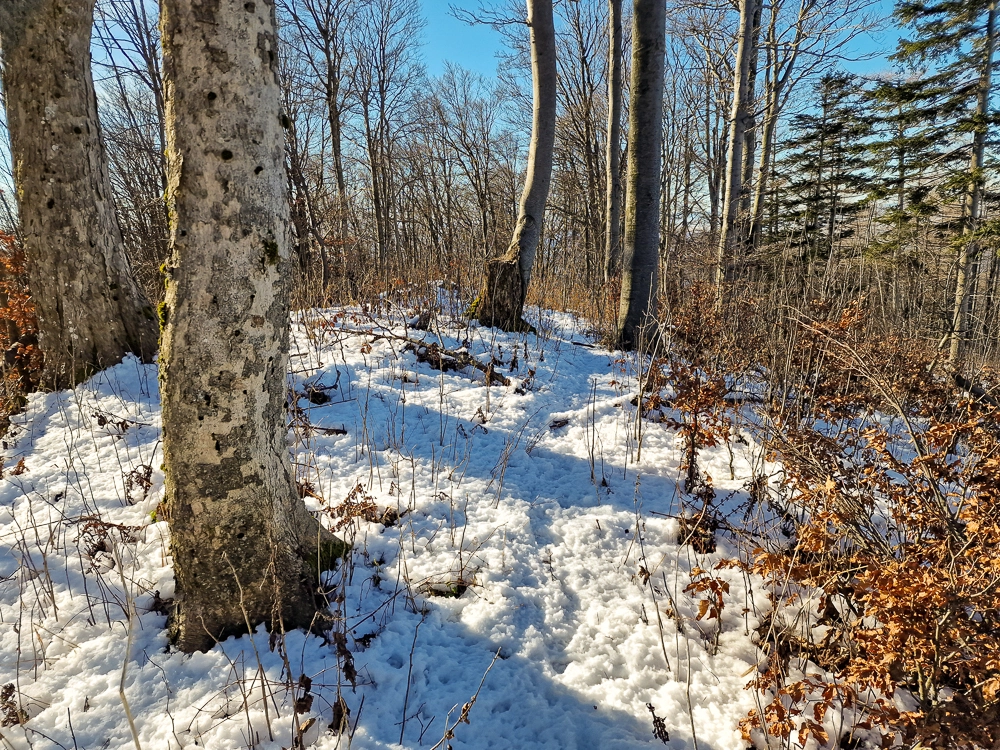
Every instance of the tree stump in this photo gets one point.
(502, 298)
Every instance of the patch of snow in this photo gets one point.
(565, 537)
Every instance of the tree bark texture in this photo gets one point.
(640, 264)
(613, 212)
(969, 249)
(750, 135)
(501, 301)
(90, 310)
(738, 122)
(244, 545)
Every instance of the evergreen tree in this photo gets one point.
(825, 172)
(953, 46)
(906, 152)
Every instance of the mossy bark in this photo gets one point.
(501, 301)
(245, 548)
(90, 310)
(506, 279)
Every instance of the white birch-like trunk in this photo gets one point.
(738, 121)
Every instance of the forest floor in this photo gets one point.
(530, 557)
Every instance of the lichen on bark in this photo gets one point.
(90, 310)
(245, 548)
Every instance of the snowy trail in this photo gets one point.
(495, 494)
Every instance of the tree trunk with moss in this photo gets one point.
(244, 545)
(637, 310)
(501, 301)
(90, 310)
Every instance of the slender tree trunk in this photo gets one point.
(968, 255)
(772, 93)
(374, 166)
(637, 310)
(303, 212)
(750, 137)
(763, 171)
(90, 310)
(245, 548)
(738, 121)
(501, 301)
(613, 213)
(336, 145)
(711, 150)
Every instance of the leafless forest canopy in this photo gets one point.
(850, 187)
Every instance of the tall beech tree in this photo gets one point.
(245, 548)
(613, 209)
(739, 123)
(90, 310)
(501, 300)
(637, 310)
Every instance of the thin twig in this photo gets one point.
(128, 646)
(450, 731)
(409, 674)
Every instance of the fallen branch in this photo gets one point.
(434, 354)
(976, 391)
(448, 361)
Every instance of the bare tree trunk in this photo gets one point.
(763, 170)
(613, 216)
(968, 254)
(637, 311)
(336, 145)
(303, 214)
(501, 301)
(750, 136)
(299, 214)
(737, 135)
(90, 310)
(245, 548)
(773, 85)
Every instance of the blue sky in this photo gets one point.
(882, 42)
(447, 39)
(450, 40)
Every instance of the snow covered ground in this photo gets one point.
(532, 500)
